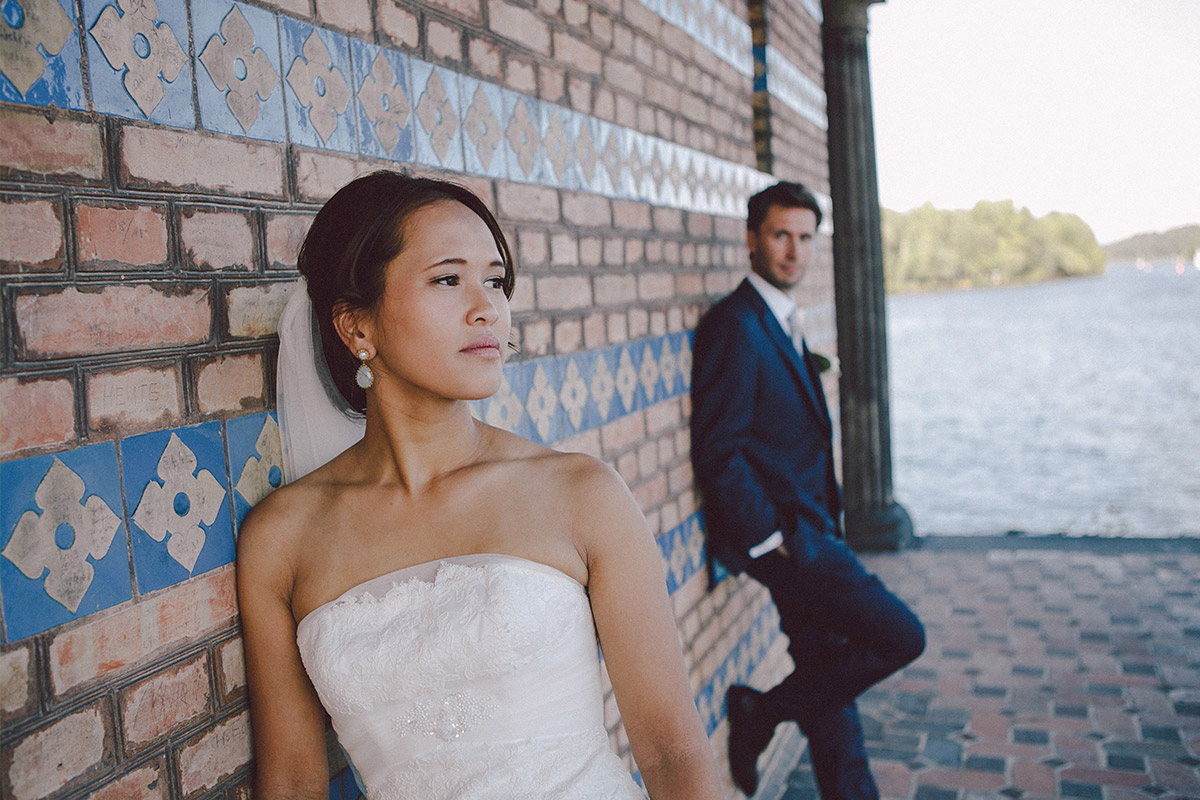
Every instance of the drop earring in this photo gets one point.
(364, 377)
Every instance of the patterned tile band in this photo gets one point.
(268, 76)
(169, 501)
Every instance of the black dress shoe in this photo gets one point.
(747, 737)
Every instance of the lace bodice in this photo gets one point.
(470, 677)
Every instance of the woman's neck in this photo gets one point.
(415, 445)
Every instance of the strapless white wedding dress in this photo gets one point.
(471, 677)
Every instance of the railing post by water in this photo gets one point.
(874, 520)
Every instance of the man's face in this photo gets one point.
(783, 245)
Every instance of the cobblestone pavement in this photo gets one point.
(1054, 668)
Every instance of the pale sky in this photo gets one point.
(1090, 107)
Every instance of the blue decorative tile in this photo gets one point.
(639, 158)
(574, 395)
(607, 174)
(522, 144)
(602, 385)
(561, 166)
(542, 407)
(238, 70)
(255, 460)
(138, 60)
(484, 126)
(384, 102)
(506, 408)
(317, 81)
(585, 152)
(63, 548)
(177, 492)
(40, 63)
(438, 124)
(649, 371)
(629, 390)
(664, 172)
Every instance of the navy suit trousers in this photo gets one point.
(846, 633)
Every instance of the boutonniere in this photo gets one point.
(827, 363)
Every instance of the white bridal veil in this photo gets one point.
(312, 429)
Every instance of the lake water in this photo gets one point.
(1064, 407)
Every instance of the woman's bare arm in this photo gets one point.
(286, 717)
(639, 640)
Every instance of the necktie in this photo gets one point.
(796, 329)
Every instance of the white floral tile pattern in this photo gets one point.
(63, 552)
(137, 60)
(238, 71)
(317, 80)
(801, 93)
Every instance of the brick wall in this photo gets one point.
(157, 174)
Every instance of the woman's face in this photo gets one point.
(443, 322)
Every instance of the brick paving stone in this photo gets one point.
(1065, 670)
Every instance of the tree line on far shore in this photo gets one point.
(993, 243)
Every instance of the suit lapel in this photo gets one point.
(808, 385)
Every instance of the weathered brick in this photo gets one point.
(484, 56)
(78, 321)
(319, 175)
(46, 408)
(400, 24)
(618, 328)
(527, 203)
(580, 91)
(253, 311)
(148, 782)
(568, 336)
(594, 331)
(17, 691)
(533, 248)
(121, 236)
(552, 83)
(58, 755)
(444, 42)
(656, 286)
(231, 671)
(624, 75)
(576, 54)
(31, 233)
(231, 383)
(135, 634)
(520, 75)
(285, 234)
(587, 209)
(166, 157)
(564, 250)
(137, 398)
(668, 220)
(351, 15)
(166, 701)
(30, 144)
(536, 337)
(623, 433)
(631, 215)
(700, 226)
(217, 239)
(575, 12)
(612, 290)
(214, 755)
(614, 251)
(557, 293)
(519, 25)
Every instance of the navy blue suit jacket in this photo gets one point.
(762, 444)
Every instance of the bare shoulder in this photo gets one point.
(271, 537)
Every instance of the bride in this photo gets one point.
(438, 588)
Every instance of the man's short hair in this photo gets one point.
(784, 194)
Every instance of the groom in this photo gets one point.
(762, 449)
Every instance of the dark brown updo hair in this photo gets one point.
(353, 238)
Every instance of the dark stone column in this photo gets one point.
(874, 520)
